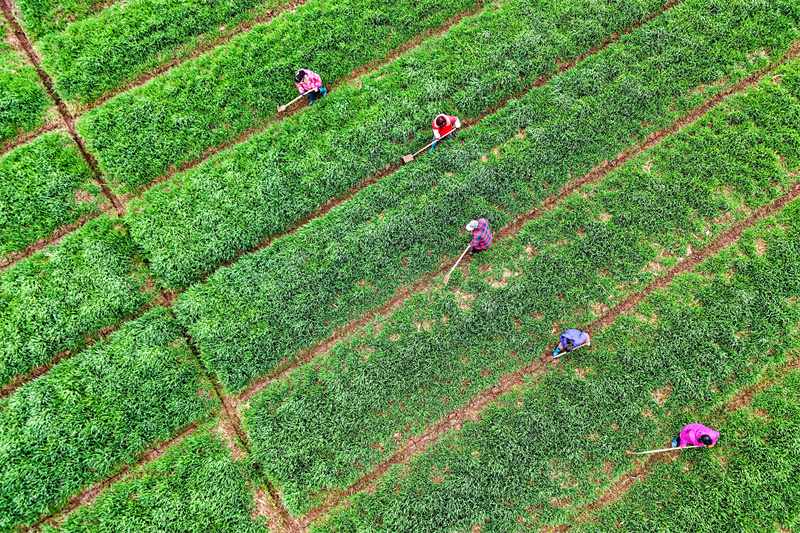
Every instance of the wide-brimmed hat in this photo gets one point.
(472, 225)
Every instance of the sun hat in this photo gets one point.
(472, 225)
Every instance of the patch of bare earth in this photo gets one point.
(661, 395)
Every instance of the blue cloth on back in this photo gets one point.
(576, 336)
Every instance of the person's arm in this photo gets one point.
(436, 134)
(458, 122)
(299, 87)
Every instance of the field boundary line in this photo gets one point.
(8, 8)
(23, 138)
(473, 409)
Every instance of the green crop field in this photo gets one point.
(216, 316)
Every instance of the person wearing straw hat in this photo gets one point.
(481, 236)
(309, 81)
(696, 435)
(571, 339)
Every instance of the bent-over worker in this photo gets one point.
(571, 339)
(443, 127)
(696, 435)
(309, 81)
(481, 236)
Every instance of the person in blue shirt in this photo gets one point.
(571, 339)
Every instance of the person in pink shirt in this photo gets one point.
(309, 81)
(443, 127)
(696, 435)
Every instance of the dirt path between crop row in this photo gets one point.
(25, 137)
(8, 8)
(472, 411)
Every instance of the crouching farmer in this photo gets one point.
(696, 435)
(443, 126)
(481, 236)
(571, 339)
(309, 81)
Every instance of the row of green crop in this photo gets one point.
(103, 407)
(173, 119)
(52, 301)
(194, 487)
(205, 216)
(96, 55)
(749, 485)
(270, 304)
(336, 418)
(40, 17)
(24, 102)
(555, 445)
(43, 185)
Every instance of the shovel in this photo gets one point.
(282, 108)
(410, 157)
(447, 276)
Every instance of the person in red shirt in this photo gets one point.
(481, 236)
(443, 127)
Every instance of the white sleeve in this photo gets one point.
(458, 122)
(436, 134)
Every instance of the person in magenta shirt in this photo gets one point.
(571, 339)
(309, 81)
(696, 435)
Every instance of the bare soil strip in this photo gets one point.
(472, 411)
(25, 138)
(8, 8)
(41, 244)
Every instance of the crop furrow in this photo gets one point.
(54, 239)
(90, 494)
(66, 116)
(472, 411)
(163, 300)
(425, 283)
(25, 138)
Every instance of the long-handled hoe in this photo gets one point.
(282, 108)
(447, 276)
(664, 450)
(410, 157)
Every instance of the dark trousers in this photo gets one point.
(473, 250)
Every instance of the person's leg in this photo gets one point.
(432, 145)
(676, 441)
(324, 91)
(311, 98)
